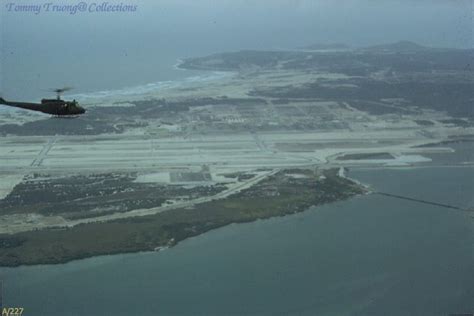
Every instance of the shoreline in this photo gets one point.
(170, 246)
(143, 91)
(275, 114)
(179, 62)
(162, 248)
(292, 195)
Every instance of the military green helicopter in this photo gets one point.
(56, 107)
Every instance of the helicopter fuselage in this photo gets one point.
(55, 107)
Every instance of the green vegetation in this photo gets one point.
(81, 196)
(424, 77)
(424, 122)
(117, 119)
(241, 176)
(278, 195)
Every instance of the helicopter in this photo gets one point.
(56, 107)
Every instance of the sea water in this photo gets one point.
(370, 255)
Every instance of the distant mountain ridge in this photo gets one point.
(331, 46)
(400, 46)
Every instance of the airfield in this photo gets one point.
(227, 135)
(232, 152)
(203, 159)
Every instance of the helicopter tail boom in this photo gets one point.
(22, 105)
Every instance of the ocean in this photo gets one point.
(109, 51)
(370, 255)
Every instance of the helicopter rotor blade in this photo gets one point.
(61, 90)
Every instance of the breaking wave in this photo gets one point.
(150, 87)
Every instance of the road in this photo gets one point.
(20, 223)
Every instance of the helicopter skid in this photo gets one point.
(67, 116)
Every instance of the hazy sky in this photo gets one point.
(120, 49)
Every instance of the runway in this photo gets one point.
(237, 151)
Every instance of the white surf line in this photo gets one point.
(342, 174)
